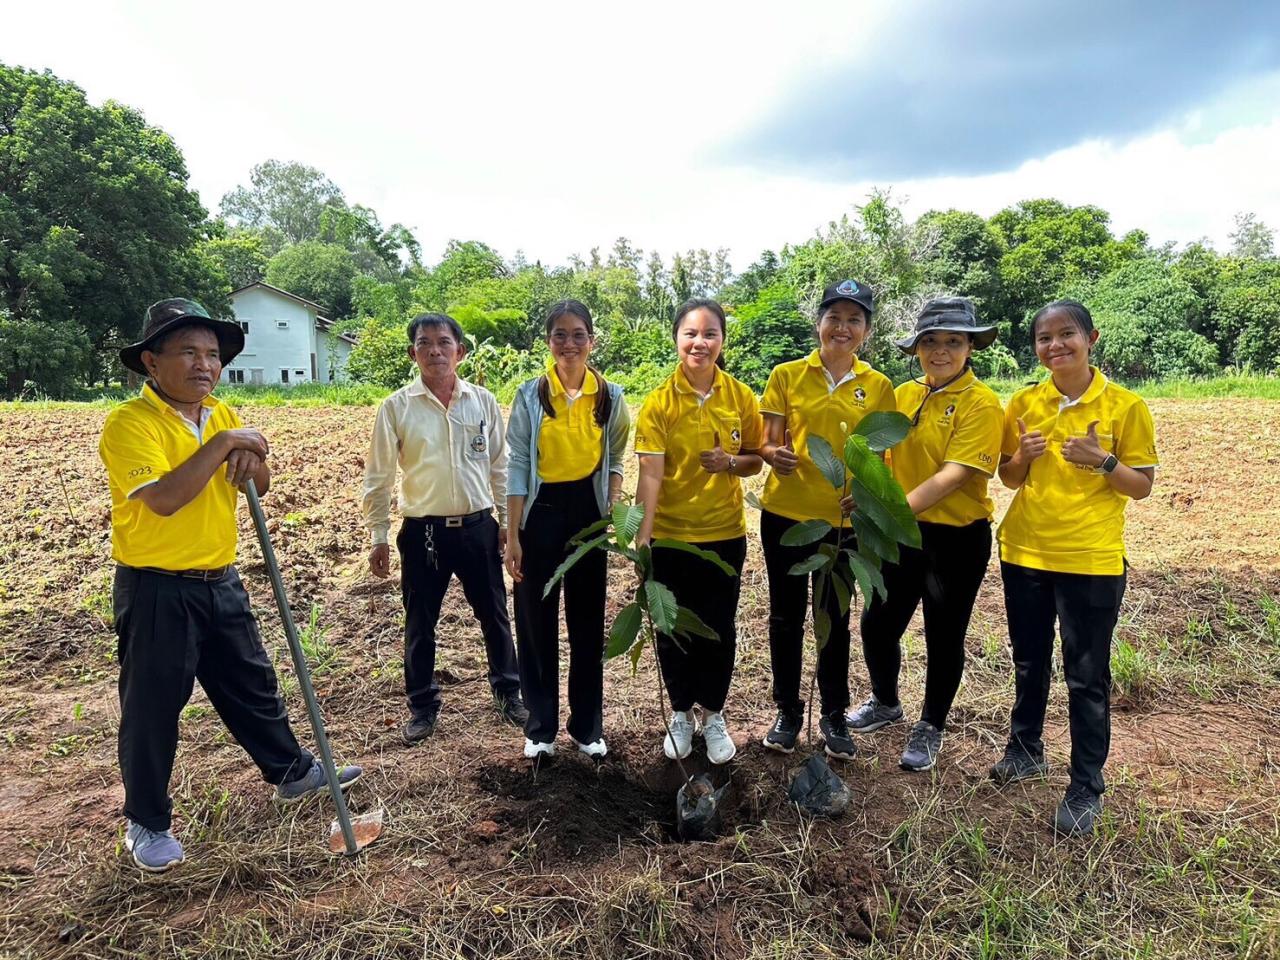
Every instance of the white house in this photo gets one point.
(286, 341)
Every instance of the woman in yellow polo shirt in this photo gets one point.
(696, 436)
(944, 464)
(1077, 448)
(824, 394)
(567, 437)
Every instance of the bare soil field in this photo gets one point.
(480, 858)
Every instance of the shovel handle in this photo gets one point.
(300, 668)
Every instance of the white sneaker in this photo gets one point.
(534, 750)
(596, 749)
(678, 744)
(720, 746)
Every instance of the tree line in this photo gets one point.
(97, 219)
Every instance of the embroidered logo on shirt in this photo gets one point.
(859, 394)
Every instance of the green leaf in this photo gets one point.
(626, 521)
(623, 632)
(752, 500)
(668, 544)
(871, 542)
(842, 589)
(883, 429)
(878, 495)
(825, 459)
(821, 628)
(809, 564)
(642, 557)
(689, 624)
(582, 550)
(662, 606)
(586, 533)
(636, 649)
(870, 580)
(805, 532)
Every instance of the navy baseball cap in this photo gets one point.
(850, 290)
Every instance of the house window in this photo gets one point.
(244, 325)
(299, 375)
(235, 376)
(284, 376)
(282, 324)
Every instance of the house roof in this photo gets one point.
(323, 323)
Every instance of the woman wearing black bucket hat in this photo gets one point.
(944, 464)
(824, 394)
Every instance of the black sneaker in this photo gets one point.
(782, 735)
(1077, 811)
(418, 729)
(1017, 764)
(923, 744)
(512, 710)
(835, 734)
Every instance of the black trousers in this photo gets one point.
(1086, 608)
(700, 672)
(430, 554)
(945, 575)
(172, 631)
(559, 512)
(788, 600)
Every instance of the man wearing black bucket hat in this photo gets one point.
(175, 458)
(944, 464)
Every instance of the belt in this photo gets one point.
(215, 574)
(466, 520)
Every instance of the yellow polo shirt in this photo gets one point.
(802, 392)
(693, 505)
(142, 440)
(961, 423)
(569, 444)
(1065, 517)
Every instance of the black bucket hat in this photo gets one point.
(949, 313)
(850, 290)
(168, 315)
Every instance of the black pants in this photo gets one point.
(788, 600)
(171, 632)
(945, 574)
(700, 672)
(559, 512)
(430, 554)
(1086, 608)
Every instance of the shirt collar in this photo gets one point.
(684, 386)
(589, 385)
(417, 388)
(860, 366)
(1091, 393)
(961, 383)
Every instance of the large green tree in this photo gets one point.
(322, 272)
(284, 200)
(97, 221)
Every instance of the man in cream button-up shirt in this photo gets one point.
(447, 437)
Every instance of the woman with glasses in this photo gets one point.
(567, 438)
(944, 464)
(824, 394)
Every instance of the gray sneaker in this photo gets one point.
(1017, 764)
(923, 743)
(1077, 811)
(313, 782)
(153, 850)
(873, 715)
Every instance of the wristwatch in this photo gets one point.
(1108, 465)
(733, 463)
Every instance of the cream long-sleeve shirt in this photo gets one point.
(454, 459)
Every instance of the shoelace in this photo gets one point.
(919, 739)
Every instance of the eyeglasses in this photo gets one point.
(562, 337)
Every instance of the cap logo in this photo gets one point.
(848, 287)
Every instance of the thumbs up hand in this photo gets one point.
(1085, 451)
(784, 457)
(715, 460)
(1031, 444)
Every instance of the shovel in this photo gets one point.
(369, 825)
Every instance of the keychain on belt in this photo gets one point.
(429, 534)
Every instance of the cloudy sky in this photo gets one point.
(551, 128)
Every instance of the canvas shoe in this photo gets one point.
(783, 734)
(720, 746)
(873, 715)
(533, 750)
(313, 782)
(678, 744)
(1017, 764)
(153, 850)
(835, 735)
(923, 743)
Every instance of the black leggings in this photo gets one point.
(945, 573)
(700, 672)
(559, 512)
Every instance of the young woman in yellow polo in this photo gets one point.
(567, 437)
(1077, 448)
(944, 464)
(696, 436)
(824, 394)
(175, 458)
